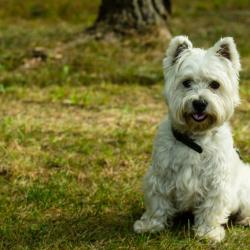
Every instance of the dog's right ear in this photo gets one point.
(178, 45)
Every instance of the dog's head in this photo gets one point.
(201, 86)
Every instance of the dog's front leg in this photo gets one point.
(210, 216)
(159, 208)
(150, 222)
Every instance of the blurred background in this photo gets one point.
(80, 105)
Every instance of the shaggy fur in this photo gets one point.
(215, 183)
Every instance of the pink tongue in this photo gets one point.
(198, 117)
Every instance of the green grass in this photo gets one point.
(77, 127)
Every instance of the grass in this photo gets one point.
(77, 126)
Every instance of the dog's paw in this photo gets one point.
(214, 235)
(152, 226)
(244, 222)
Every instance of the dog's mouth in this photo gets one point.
(199, 117)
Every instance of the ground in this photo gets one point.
(79, 119)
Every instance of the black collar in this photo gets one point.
(186, 140)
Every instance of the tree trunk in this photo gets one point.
(126, 16)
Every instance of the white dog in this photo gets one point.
(195, 166)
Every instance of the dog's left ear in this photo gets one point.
(226, 48)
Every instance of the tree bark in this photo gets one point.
(126, 16)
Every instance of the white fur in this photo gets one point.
(213, 184)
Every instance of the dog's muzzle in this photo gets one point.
(199, 106)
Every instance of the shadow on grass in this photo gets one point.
(100, 231)
(112, 227)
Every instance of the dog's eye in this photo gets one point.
(214, 85)
(187, 83)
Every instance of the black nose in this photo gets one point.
(200, 105)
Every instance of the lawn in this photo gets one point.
(79, 119)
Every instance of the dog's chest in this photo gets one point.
(190, 187)
(187, 177)
(191, 179)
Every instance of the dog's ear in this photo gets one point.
(226, 48)
(177, 45)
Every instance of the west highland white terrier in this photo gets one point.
(195, 166)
